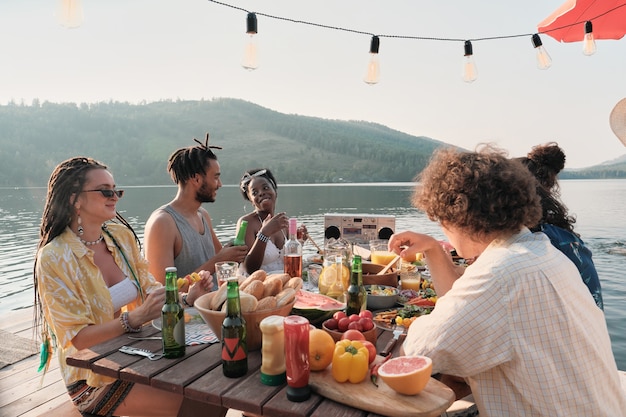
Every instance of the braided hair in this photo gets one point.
(185, 163)
(64, 186)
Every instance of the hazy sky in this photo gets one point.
(134, 50)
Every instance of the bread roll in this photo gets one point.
(267, 303)
(259, 275)
(283, 277)
(218, 299)
(295, 283)
(247, 302)
(255, 288)
(272, 286)
(285, 297)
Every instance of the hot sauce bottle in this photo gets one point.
(297, 358)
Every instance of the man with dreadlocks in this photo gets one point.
(92, 284)
(180, 233)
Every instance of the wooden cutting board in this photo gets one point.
(432, 401)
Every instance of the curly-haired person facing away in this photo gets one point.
(518, 324)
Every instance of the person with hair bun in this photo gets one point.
(545, 162)
(266, 232)
(180, 233)
(518, 323)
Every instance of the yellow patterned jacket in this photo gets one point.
(74, 295)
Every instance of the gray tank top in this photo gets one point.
(197, 248)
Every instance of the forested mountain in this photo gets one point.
(135, 141)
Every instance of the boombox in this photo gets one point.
(358, 228)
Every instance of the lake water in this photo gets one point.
(598, 205)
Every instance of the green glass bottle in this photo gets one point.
(172, 318)
(356, 295)
(240, 240)
(234, 347)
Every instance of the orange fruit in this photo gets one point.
(406, 374)
(321, 349)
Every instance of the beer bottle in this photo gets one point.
(172, 318)
(234, 347)
(356, 296)
(293, 251)
(240, 240)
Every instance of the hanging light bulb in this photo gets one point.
(250, 56)
(589, 44)
(373, 67)
(70, 13)
(543, 59)
(470, 73)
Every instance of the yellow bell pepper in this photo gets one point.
(350, 361)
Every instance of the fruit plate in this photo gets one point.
(197, 332)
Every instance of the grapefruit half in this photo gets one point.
(407, 375)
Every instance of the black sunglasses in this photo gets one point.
(107, 193)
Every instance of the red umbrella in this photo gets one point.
(567, 23)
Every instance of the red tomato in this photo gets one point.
(354, 317)
(366, 314)
(353, 334)
(371, 349)
(366, 324)
(355, 325)
(339, 315)
(331, 324)
(342, 324)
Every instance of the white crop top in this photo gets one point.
(123, 293)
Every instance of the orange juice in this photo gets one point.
(382, 257)
(411, 284)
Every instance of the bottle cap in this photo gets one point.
(170, 269)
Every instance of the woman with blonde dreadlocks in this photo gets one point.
(92, 284)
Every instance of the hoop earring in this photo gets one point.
(81, 231)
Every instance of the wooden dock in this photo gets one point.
(24, 394)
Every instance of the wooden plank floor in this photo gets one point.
(24, 394)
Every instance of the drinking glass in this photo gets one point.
(225, 270)
(381, 255)
(313, 276)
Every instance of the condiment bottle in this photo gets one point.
(297, 358)
(234, 347)
(172, 318)
(356, 295)
(273, 350)
(293, 251)
(240, 240)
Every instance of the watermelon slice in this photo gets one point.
(315, 307)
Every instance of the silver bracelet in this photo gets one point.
(262, 237)
(126, 325)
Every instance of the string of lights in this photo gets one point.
(372, 76)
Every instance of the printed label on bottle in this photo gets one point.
(179, 332)
(232, 350)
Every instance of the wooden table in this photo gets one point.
(198, 376)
